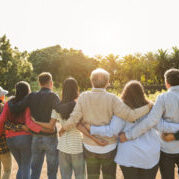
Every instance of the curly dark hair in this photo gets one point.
(133, 94)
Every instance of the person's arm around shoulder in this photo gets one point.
(167, 127)
(149, 121)
(112, 129)
(75, 116)
(49, 125)
(126, 113)
(62, 108)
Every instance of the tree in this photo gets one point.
(14, 65)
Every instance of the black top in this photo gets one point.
(70, 106)
(41, 104)
(177, 135)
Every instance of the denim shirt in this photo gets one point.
(143, 152)
(167, 107)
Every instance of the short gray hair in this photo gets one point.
(99, 78)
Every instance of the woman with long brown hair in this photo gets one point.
(138, 159)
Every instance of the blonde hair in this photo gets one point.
(99, 78)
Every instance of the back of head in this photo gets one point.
(172, 77)
(22, 90)
(70, 90)
(133, 94)
(45, 78)
(99, 78)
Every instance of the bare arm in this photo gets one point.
(48, 125)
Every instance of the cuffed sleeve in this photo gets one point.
(167, 127)
(113, 129)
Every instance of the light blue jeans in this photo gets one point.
(41, 146)
(71, 162)
(20, 147)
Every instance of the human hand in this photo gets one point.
(168, 137)
(61, 132)
(87, 126)
(122, 137)
(101, 142)
(25, 128)
(33, 119)
(150, 105)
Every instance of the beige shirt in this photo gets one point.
(97, 107)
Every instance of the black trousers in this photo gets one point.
(167, 165)
(100, 162)
(138, 173)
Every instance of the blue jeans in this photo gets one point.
(72, 162)
(20, 147)
(41, 146)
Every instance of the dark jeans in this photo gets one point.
(97, 162)
(41, 146)
(20, 147)
(138, 173)
(167, 165)
(72, 162)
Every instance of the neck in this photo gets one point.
(45, 86)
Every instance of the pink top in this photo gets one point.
(23, 118)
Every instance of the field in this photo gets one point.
(44, 173)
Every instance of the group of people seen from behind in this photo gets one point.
(89, 134)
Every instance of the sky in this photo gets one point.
(93, 26)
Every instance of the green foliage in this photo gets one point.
(148, 68)
(63, 63)
(14, 65)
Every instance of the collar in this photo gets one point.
(45, 89)
(174, 88)
(98, 90)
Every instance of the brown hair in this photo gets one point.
(133, 94)
(44, 78)
(172, 76)
(70, 90)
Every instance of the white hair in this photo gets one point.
(99, 78)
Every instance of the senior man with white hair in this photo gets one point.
(96, 107)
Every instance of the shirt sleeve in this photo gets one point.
(3, 117)
(75, 116)
(30, 123)
(167, 127)
(126, 113)
(113, 129)
(62, 108)
(148, 122)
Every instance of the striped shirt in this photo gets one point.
(71, 141)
